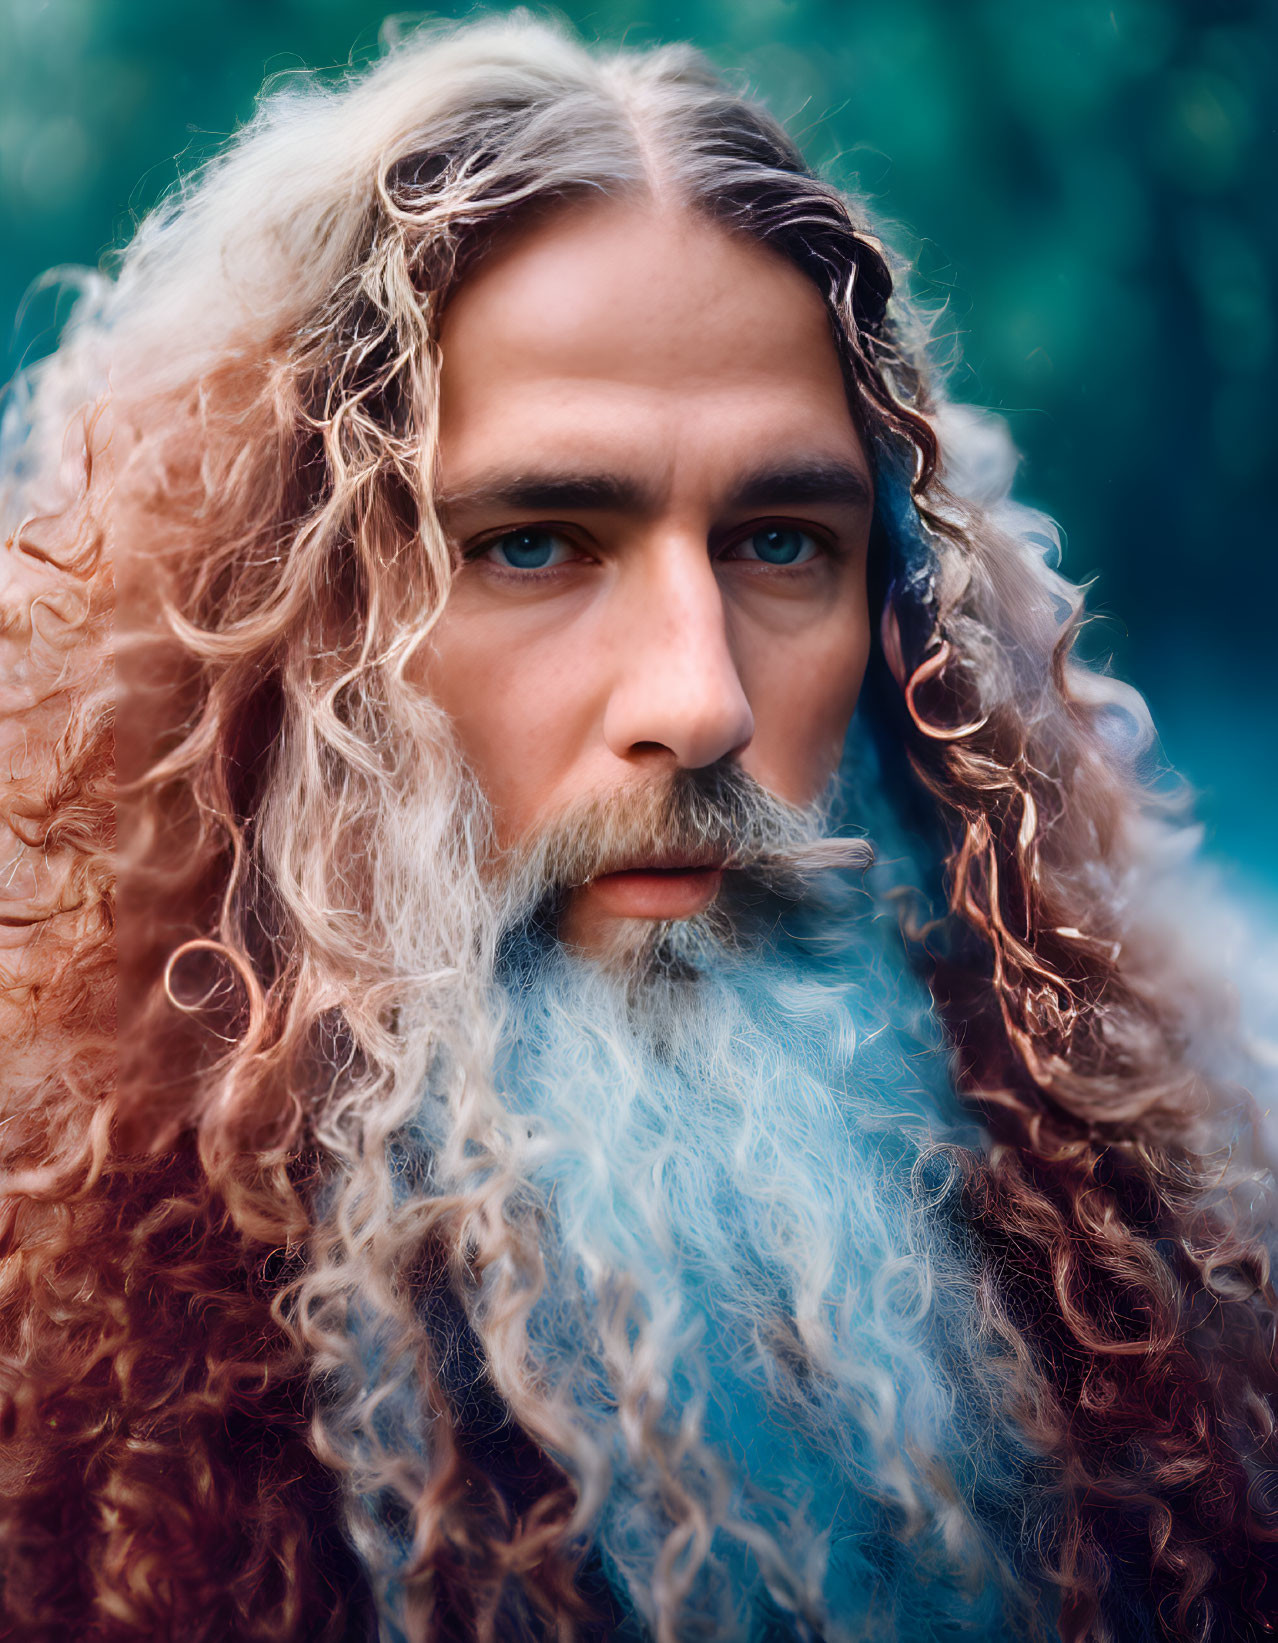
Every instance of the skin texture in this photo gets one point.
(661, 508)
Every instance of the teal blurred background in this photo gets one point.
(1088, 189)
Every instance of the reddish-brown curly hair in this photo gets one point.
(240, 429)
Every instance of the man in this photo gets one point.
(543, 1185)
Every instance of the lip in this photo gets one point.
(666, 890)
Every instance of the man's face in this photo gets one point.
(662, 506)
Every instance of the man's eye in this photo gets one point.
(528, 550)
(775, 545)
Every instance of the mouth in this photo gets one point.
(655, 890)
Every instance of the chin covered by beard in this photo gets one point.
(732, 1297)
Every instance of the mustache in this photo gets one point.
(715, 817)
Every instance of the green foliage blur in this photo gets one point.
(1087, 190)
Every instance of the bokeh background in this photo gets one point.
(1086, 188)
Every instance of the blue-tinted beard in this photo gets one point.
(759, 1298)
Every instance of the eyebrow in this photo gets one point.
(565, 492)
(820, 480)
(790, 484)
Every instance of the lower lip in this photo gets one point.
(651, 894)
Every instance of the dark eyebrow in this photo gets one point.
(550, 492)
(798, 484)
(791, 484)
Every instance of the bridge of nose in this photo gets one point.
(676, 681)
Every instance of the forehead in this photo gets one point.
(634, 333)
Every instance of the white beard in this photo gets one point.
(758, 1332)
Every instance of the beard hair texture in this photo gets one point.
(739, 1314)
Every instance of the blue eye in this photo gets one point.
(777, 545)
(528, 550)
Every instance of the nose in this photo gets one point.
(676, 684)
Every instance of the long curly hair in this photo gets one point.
(218, 499)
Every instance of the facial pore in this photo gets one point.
(660, 507)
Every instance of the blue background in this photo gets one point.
(1088, 193)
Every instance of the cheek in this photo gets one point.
(514, 708)
(803, 698)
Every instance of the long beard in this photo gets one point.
(735, 1160)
